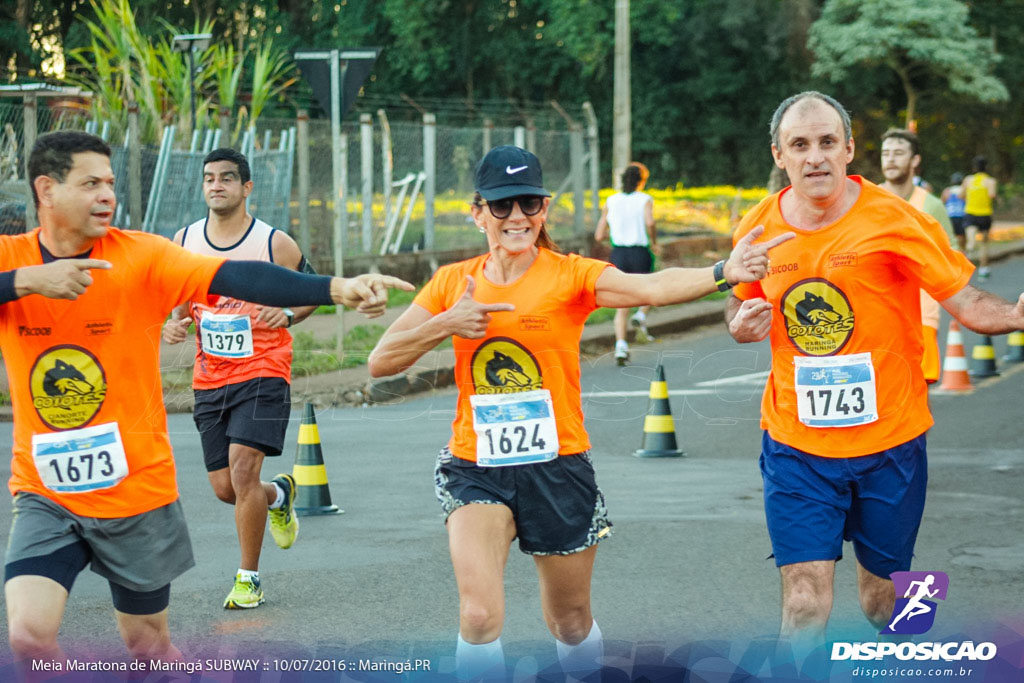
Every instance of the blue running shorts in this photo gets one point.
(812, 504)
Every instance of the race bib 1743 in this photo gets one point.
(835, 391)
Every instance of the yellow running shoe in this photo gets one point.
(246, 594)
(284, 525)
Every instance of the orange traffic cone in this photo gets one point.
(954, 367)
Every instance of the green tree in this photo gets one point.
(926, 43)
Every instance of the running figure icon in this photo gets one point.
(915, 606)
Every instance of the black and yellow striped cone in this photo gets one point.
(983, 358)
(313, 497)
(1014, 348)
(659, 428)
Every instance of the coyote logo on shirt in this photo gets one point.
(503, 371)
(64, 379)
(814, 310)
(68, 386)
(818, 317)
(503, 366)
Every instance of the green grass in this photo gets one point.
(601, 315)
(312, 356)
(396, 297)
(604, 315)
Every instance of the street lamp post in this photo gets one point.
(189, 43)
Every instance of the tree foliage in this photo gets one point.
(923, 42)
(706, 74)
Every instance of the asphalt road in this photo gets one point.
(687, 563)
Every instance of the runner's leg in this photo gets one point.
(806, 600)
(35, 608)
(877, 597)
(252, 497)
(565, 600)
(147, 636)
(479, 536)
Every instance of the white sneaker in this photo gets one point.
(621, 352)
(638, 319)
(983, 273)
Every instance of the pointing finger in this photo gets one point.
(87, 263)
(490, 308)
(774, 242)
(397, 283)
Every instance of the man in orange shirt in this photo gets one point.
(92, 474)
(845, 407)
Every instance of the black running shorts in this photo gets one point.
(557, 505)
(252, 413)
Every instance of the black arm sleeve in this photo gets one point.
(264, 283)
(7, 291)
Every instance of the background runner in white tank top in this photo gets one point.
(626, 219)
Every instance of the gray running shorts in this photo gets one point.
(143, 552)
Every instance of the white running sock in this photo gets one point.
(584, 658)
(279, 501)
(473, 661)
(249, 574)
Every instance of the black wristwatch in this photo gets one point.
(723, 284)
(290, 314)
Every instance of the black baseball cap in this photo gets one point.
(509, 171)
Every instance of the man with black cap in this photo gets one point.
(518, 463)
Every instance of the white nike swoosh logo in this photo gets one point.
(510, 170)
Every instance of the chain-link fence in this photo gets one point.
(407, 185)
(49, 115)
(396, 220)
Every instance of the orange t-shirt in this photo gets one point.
(536, 346)
(96, 360)
(849, 288)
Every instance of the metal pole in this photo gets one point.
(303, 150)
(366, 166)
(430, 168)
(519, 137)
(531, 135)
(192, 86)
(387, 164)
(31, 103)
(134, 167)
(576, 164)
(622, 141)
(595, 166)
(488, 130)
(339, 194)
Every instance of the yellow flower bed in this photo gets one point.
(714, 208)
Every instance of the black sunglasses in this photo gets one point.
(530, 205)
